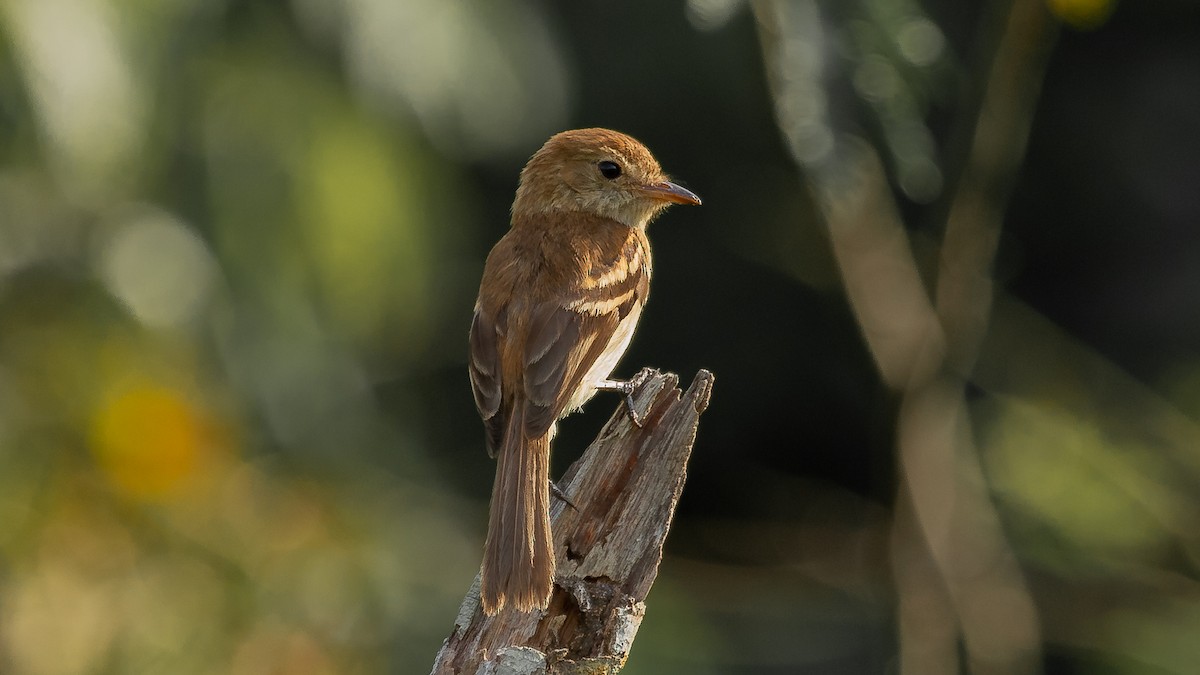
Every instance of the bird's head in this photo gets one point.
(600, 172)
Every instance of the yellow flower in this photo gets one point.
(150, 440)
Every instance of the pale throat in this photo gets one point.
(627, 209)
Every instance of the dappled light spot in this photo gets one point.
(712, 14)
(85, 94)
(1082, 14)
(150, 441)
(920, 41)
(158, 268)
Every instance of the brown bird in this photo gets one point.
(560, 297)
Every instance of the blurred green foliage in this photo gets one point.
(212, 247)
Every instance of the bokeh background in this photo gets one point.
(947, 274)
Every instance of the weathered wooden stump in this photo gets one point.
(625, 488)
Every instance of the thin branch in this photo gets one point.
(955, 573)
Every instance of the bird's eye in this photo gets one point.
(609, 170)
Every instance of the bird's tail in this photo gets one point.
(518, 558)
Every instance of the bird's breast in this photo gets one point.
(607, 361)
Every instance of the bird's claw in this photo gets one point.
(638, 422)
(557, 492)
(628, 388)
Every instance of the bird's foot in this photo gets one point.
(628, 388)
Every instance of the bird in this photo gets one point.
(560, 297)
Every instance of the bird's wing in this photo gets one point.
(484, 369)
(567, 337)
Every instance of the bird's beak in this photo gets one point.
(670, 192)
